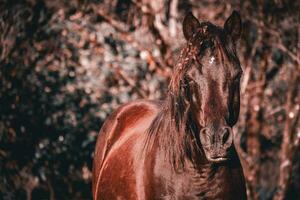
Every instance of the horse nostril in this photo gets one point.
(204, 135)
(226, 136)
(204, 131)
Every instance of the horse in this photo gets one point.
(180, 147)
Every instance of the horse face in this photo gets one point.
(216, 73)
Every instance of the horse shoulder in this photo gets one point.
(123, 123)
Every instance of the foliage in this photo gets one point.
(65, 65)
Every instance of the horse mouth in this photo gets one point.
(217, 159)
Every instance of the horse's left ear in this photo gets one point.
(233, 25)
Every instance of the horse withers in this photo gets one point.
(181, 147)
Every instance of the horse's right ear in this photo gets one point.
(190, 25)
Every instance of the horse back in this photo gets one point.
(128, 121)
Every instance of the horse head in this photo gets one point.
(214, 74)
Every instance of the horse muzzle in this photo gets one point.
(216, 143)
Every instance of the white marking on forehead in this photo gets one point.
(212, 60)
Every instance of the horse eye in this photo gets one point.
(237, 77)
(204, 46)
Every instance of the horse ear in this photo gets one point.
(190, 25)
(233, 25)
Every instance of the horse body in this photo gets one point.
(182, 147)
(131, 175)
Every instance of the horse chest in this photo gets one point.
(204, 183)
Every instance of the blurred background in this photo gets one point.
(65, 65)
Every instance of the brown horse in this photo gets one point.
(182, 147)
